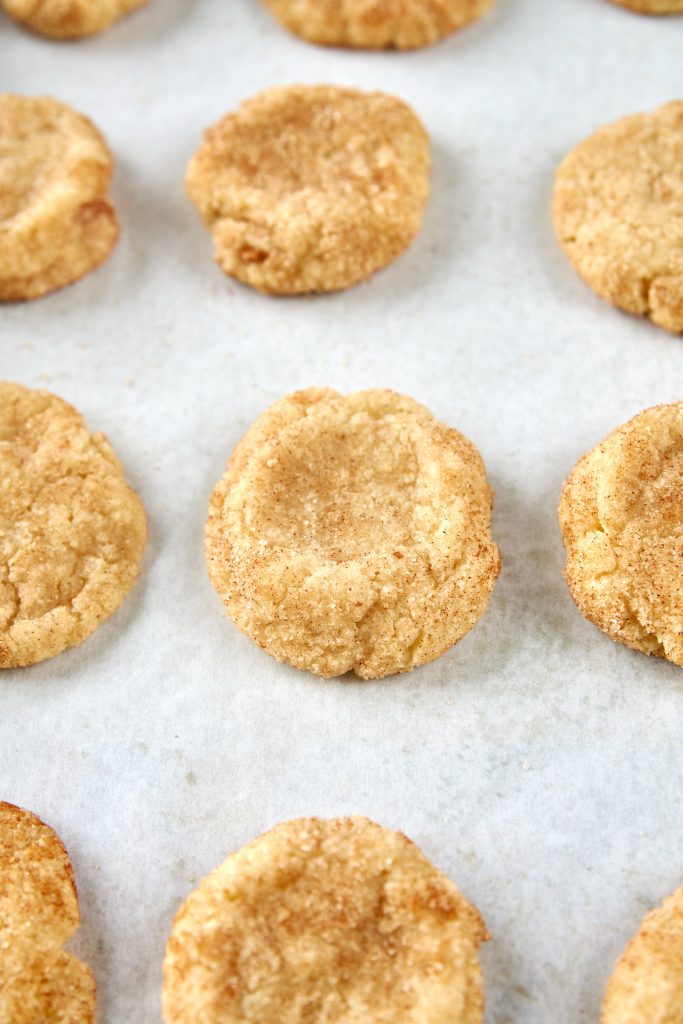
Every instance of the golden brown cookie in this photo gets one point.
(621, 515)
(69, 19)
(39, 982)
(72, 533)
(653, 6)
(311, 188)
(377, 24)
(327, 921)
(618, 210)
(57, 221)
(647, 984)
(352, 533)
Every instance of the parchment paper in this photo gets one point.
(538, 763)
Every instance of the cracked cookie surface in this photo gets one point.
(352, 533)
(377, 24)
(69, 19)
(72, 533)
(621, 515)
(311, 188)
(39, 981)
(57, 221)
(647, 983)
(618, 212)
(329, 921)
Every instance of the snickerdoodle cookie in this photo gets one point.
(57, 221)
(69, 19)
(647, 984)
(72, 532)
(618, 209)
(327, 921)
(311, 188)
(40, 983)
(653, 6)
(352, 533)
(621, 515)
(376, 24)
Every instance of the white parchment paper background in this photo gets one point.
(538, 763)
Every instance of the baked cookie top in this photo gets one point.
(311, 188)
(618, 210)
(69, 19)
(653, 6)
(352, 533)
(56, 219)
(647, 984)
(72, 533)
(621, 515)
(376, 24)
(39, 982)
(331, 921)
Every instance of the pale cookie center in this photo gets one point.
(26, 165)
(347, 492)
(314, 148)
(321, 956)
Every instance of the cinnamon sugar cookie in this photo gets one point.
(72, 532)
(377, 24)
(647, 984)
(653, 6)
(621, 515)
(352, 533)
(69, 19)
(327, 921)
(618, 210)
(40, 983)
(311, 188)
(57, 221)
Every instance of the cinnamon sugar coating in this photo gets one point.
(621, 515)
(311, 188)
(327, 921)
(653, 6)
(377, 24)
(57, 221)
(69, 19)
(647, 983)
(39, 981)
(352, 533)
(72, 533)
(618, 210)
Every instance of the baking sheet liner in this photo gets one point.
(538, 763)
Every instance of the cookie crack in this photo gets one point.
(17, 605)
(411, 650)
(646, 633)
